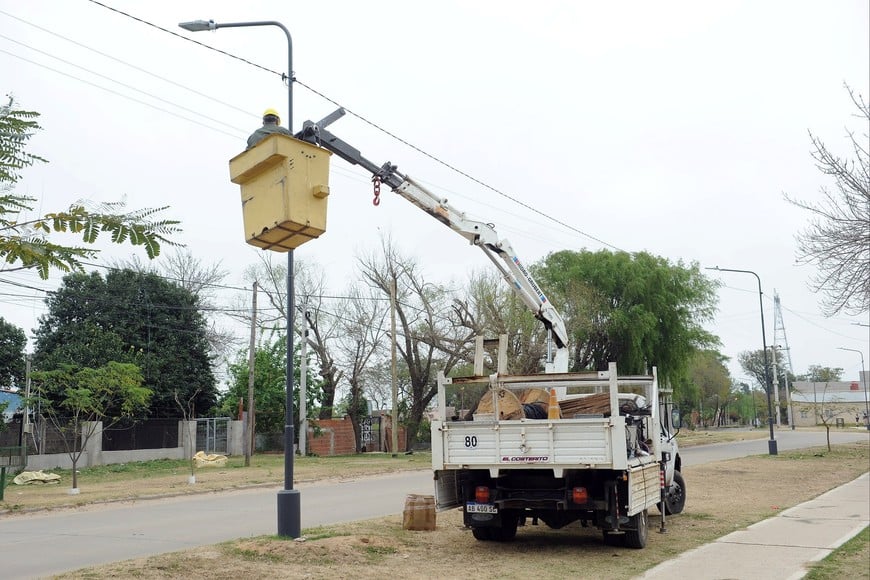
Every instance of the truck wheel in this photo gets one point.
(508, 529)
(636, 538)
(675, 495)
(482, 533)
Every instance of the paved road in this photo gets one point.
(39, 545)
(786, 440)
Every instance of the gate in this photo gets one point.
(370, 434)
(211, 435)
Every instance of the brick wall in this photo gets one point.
(335, 437)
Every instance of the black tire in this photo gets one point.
(482, 533)
(675, 495)
(636, 537)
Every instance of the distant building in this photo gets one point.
(834, 403)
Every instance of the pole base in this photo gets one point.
(289, 513)
(771, 447)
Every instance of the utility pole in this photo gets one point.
(395, 413)
(303, 384)
(249, 431)
(775, 385)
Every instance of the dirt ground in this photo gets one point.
(722, 497)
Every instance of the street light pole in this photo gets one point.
(863, 378)
(288, 499)
(771, 444)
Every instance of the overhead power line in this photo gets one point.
(367, 121)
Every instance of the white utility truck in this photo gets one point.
(603, 458)
(603, 451)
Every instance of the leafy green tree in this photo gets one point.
(25, 243)
(131, 317)
(638, 310)
(752, 363)
(269, 386)
(709, 376)
(75, 398)
(12, 343)
(820, 374)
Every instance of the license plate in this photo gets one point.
(481, 508)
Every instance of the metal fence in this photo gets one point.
(211, 435)
(142, 434)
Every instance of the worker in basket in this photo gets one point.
(271, 124)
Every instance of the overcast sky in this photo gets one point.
(668, 127)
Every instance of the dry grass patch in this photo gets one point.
(722, 497)
(163, 478)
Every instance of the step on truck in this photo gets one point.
(601, 458)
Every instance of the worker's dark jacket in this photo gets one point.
(264, 131)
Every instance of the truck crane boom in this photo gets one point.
(480, 234)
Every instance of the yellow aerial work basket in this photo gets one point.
(285, 183)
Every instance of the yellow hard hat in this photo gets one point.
(272, 112)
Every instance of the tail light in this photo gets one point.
(579, 495)
(481, 494)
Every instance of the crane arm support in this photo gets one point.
(480, 234)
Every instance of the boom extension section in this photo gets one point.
(480, 234)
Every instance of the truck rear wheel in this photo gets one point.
(637, 536)
(506, 532)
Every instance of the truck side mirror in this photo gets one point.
(676, 419)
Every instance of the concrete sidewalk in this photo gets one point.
(782, 546)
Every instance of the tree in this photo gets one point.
(638, 310)
(76, 398)
(134, 318)
(827, 410)
(312, 310)
(198, 278)
(427, 340)
(710, 379)
(270, 370)
(12, 343)
(362, 334)
(188, 412)
(493, 309)
(24, 241)
(820, 374)
(837, 240)
(752, 363)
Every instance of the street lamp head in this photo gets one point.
(198, 25)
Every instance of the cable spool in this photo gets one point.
(534, 411)
(527, 404)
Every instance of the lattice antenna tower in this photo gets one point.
(779, 338)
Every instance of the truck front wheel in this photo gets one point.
(675, 495)
(637, 536)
